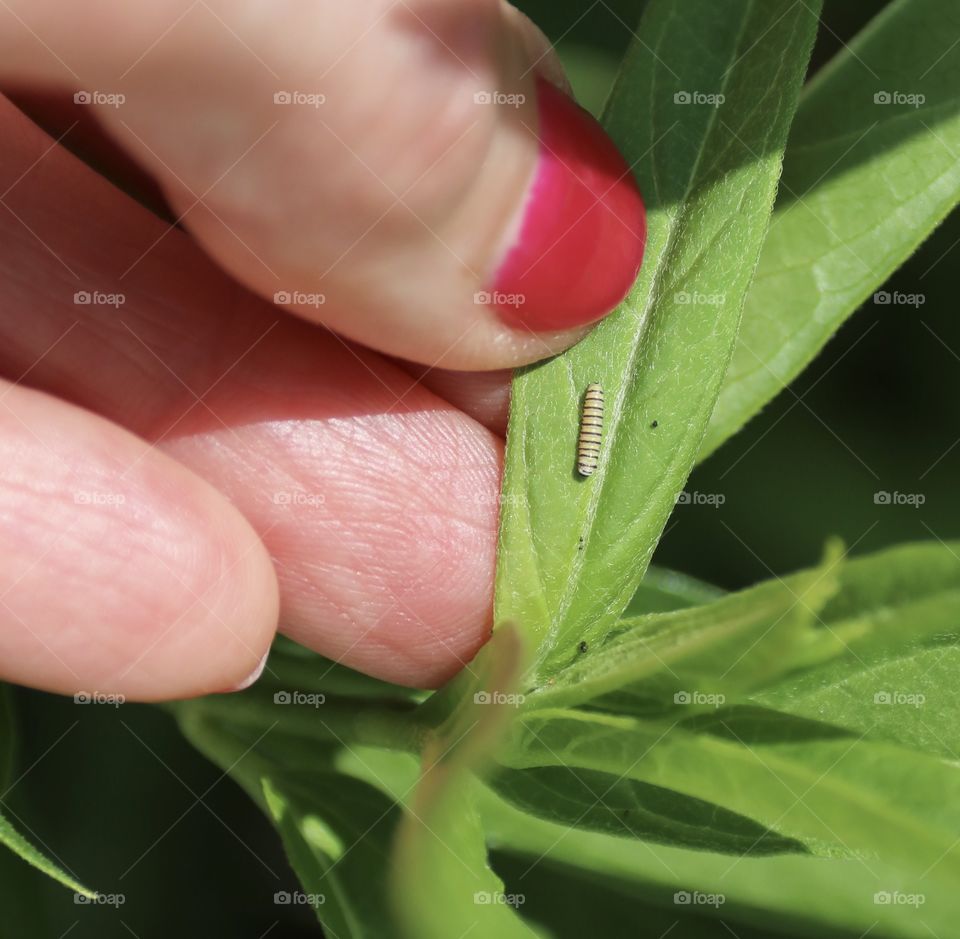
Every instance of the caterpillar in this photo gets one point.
(591, 430)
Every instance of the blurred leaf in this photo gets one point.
(864, 184)
(801, 895)
(442, 884)
(591, 73)
(742, 637)
(572, 906)
(10, 837)
(837, 794)
(858, 612)
(342, 825)
(662, 590)
(621, 806)
(895, 675)
(336, 830)
(282, 741)
(337, 834)
(911, 699)
(572, 550)
(292, 666)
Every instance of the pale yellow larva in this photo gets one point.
(591, 430)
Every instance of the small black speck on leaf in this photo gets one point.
(582, 647)
(655, 424)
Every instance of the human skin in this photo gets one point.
(187, 469)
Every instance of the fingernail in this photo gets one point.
(583, 227)
(251, 678)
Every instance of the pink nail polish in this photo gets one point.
(583, 231)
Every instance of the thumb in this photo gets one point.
(398, 171)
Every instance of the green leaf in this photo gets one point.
(292, 666)
(798, 894)
(309, 700)
(571, 905)
(662, 590)
(442, 884)
(600, 801)
(742, 638)
(908, 698)
(336, 834)
(863, 185)
(852, 613)
(9, 835)
(336, 830)
(838, 795)
(285, 741)
(572, 550)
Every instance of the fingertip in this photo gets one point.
(121, 572)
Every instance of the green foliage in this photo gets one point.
(787, 753)
(9, 835)
(638, 732)
(17, 843)
(336, 831)
(864, 182)
(573, 551)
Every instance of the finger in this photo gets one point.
(485, 396)
(414, 185)
(376, 500)
(121, 573)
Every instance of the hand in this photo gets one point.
(184, 463)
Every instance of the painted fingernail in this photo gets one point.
(251, 678)
(583, 227)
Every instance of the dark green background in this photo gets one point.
(879, 408)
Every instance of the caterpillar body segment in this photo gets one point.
(591, 430)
